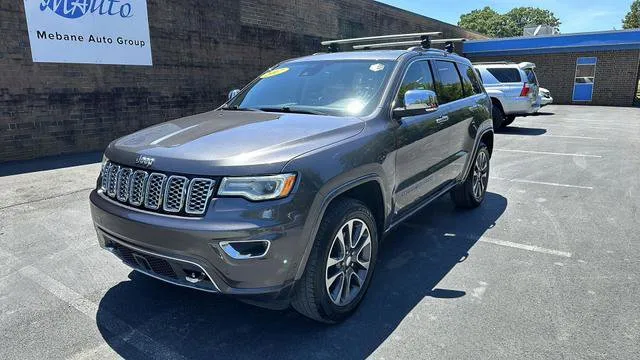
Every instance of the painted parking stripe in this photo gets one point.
(526, 247)
(489, 240)
(542, 183)
(580, 127)
(547, 153)
(576, 137)
(558, 136)
(123, 331)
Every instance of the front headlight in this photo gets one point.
(259, 187)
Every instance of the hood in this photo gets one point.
(232, 142)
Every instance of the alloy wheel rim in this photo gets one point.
(348, 262)
(480, 175)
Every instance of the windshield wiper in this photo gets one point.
(236, 108)
(293, 110)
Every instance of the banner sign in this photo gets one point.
(89, 31)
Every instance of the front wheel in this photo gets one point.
(340, 265)
(472, 191)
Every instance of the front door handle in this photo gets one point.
(442, 119)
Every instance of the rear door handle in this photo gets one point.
(442, 119)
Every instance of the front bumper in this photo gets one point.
(174, 248)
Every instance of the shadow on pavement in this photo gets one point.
(515, 130)
(413, 259)
(542, 113)
(49, 163)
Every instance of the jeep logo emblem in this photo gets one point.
(145, 161)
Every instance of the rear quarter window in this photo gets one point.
(506, 75)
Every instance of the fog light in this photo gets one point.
(249, 249)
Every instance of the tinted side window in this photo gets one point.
(418, 77)
(506, 75)
(470, 82)
(448, 86)
(531, 76)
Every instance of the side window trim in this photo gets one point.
(405, 71)
(462, 67)
(440, 79)
(464, 92)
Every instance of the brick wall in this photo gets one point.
(616, 75)
(201, 49)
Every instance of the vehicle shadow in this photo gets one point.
(144, 318)
(49, 163)
(516, 130)
(542, 113)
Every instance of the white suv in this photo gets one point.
(513, 89)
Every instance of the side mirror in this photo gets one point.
(233, 93)
(417, 102)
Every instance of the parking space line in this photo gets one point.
(526, 247)
(576, 137)
(542, 183)
(486, 239)
(547, 153)
(99, 352)
(579, 127)
(122, 331)
(61, 291)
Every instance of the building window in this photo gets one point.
(585, 78)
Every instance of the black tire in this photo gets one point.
(311, 295)
(463, 194)
(508, 120)
(497, 115)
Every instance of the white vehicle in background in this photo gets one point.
(545, 97)
(513, 89)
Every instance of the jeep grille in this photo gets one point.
(156, 191)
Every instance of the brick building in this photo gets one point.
(200, 49)
(587, 68)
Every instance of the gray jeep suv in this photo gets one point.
(282, 195)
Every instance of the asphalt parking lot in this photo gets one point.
(547, 268)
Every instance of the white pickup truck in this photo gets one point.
(513, 89)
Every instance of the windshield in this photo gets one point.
(337, 87)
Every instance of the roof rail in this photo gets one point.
(448, 42)
(425, 39)
(493, 63)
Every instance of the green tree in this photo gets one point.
(632, 19)
(524, 16)
(488, 22)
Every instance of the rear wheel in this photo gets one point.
(340, 265)
(471, 192)
(508, 120)
(497, 115)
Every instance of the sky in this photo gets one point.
(575, 15)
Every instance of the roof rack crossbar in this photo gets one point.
(378, 38)
(404, 43)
